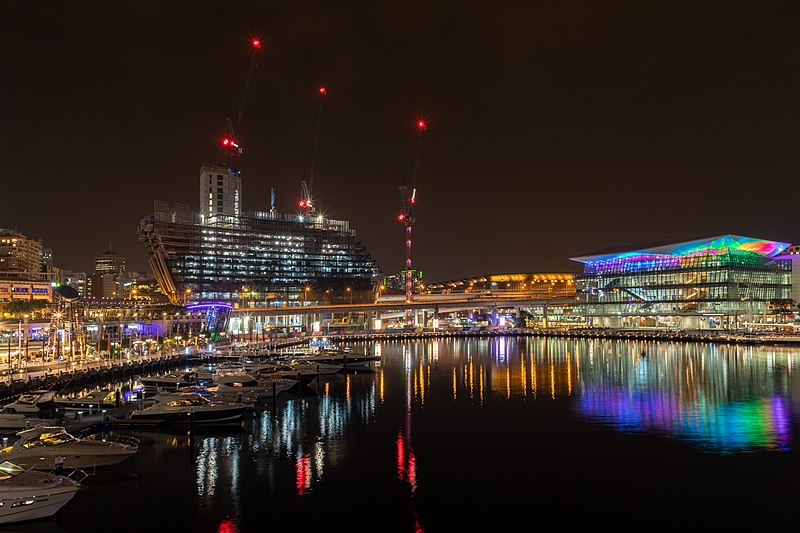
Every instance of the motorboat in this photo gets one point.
(41, 446)
(27, 494)
(249, 398)
(94, 400)
(170, 381)
(33, 402)
(350, 359)
(176, 407)
(302, 371)
(265, 387)
(12, 421)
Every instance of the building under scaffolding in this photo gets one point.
(719, 282)
(263, 258)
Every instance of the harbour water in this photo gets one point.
(482, 434)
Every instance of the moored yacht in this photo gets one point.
(27, 495)
(39, 447)
(170, 381)
(184, 408)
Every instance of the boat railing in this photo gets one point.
(126, 440)
(75, 474)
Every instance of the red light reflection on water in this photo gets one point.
(303, 470)
(227, 526)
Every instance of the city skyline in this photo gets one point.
(553, 131)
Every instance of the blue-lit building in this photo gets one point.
(718, 282)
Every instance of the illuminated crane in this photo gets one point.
(231, 142)
(306, 200)
(408, 197)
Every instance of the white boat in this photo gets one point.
(12, 421)
(170, 381)
(27, 494)
(265, 387)
(94, 400)
(350, 359)
(33, 402)
(39, 447)
(184, 408)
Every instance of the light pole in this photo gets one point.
(305, 295)
(350, 292)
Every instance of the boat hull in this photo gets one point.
(13, 508)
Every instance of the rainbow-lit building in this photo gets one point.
(718, 282)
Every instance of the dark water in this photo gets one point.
(484, 435)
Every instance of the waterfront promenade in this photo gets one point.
(65, 374)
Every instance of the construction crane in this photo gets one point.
(231, 142)
(408, 197)
(306, 200)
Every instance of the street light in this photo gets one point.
(350, 292)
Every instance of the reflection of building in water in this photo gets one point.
(698, 392)
(305, 428)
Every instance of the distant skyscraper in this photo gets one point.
(109, 262)
(220, 192)
(108, 278)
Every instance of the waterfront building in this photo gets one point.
(223, 254)
(26, 268)
(717, 282)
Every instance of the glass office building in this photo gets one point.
(719, 282)
(257, 259)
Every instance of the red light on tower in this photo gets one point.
(322, 91)
(421, 124)
(226, 141)
(401, 217)
(302, 203)
(256, 43)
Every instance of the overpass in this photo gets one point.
(425, 306)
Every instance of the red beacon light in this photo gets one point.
(226, 142)
(401, 217)
(322, 91)
(302, 203)
(256, 43)
(421, 124)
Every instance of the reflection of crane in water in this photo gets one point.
(406, 460)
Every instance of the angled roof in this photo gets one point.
(664, 248)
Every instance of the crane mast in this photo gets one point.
(306, 187)
(231, 142)
(408, 197)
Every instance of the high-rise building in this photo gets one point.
(108, 278)
(26, 268)
(18, 253)
(220, 192)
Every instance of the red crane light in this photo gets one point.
(401, 217)
(322, 91)
(421, 124)
(226, 141)
(256, 43)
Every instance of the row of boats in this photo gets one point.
(43, 469)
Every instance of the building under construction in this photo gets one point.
(266, 258)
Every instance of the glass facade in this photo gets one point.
(729, 276)
(267, 257)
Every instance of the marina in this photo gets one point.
(442, 421)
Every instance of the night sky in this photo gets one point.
(555, 128)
